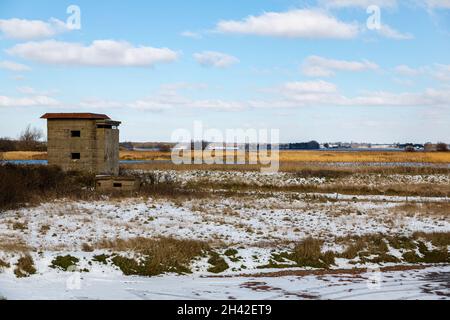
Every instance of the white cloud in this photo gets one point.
(438, 4)
(405, 70)
(99, 53)
(358, 3)
(390, 33)
(18, 77)
(288, 95)
(31, 29)
(305, 23)
(215, 59)
(100, 104)
(191, 34)
(321, 87)
(168, 97)
(315, 66)
(13, 66)
(32, 91)
(33, 101)
(441, 72)
(27, 90)
(429, 97)
(327, 95)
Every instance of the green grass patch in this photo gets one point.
(64, 262)
(102, 258)
(218, 264)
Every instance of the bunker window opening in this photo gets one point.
(75, 133)
(117, 185)
(76, 156)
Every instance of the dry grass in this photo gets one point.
(17, 245)
(30, 184)
(157, 256)
(4, 264)
(303, 169)
(403, 190)
(319, 156)
(438, 239)
(145, 155)
(306, 253)
(24, 155)
(25, 267)
(364, 156)
(161, 246)
(309, 253)
(427, 208)
(374, 248)
(285, 156)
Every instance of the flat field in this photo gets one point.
(285, 156)
(314, 233)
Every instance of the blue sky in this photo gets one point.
(313, 69)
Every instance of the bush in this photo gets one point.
(25, 267)
(156, 256)
(4, 264)
(218, 263)
(64, 262)
(442, 147)
(23, 184)
(7, 145)
(307, 253)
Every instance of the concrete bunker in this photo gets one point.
(87, 142)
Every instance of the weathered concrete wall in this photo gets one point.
(107, 151)
(116, 184)
(98, 147)
(61, 145)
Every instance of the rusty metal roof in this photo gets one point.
(84, 116)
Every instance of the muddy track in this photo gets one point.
(304, 273)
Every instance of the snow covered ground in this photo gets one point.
(255, 224)
(67, 224)
(430, 284)
(254, 178)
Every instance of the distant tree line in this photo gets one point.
(29, 140)
(442, 147)
(311, 145)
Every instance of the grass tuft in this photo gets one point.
(25, 267)
(155, 256)
(64, 262)
(218, 263)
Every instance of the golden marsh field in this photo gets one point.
(285, 156)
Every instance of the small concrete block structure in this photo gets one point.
(83, 142)
(116, 184)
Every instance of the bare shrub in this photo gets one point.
(4, 264)
(442, 147)
(13, 246)
(29, 140)
(24, 184)
(86, 247)
(157, 255)
(25, 267)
